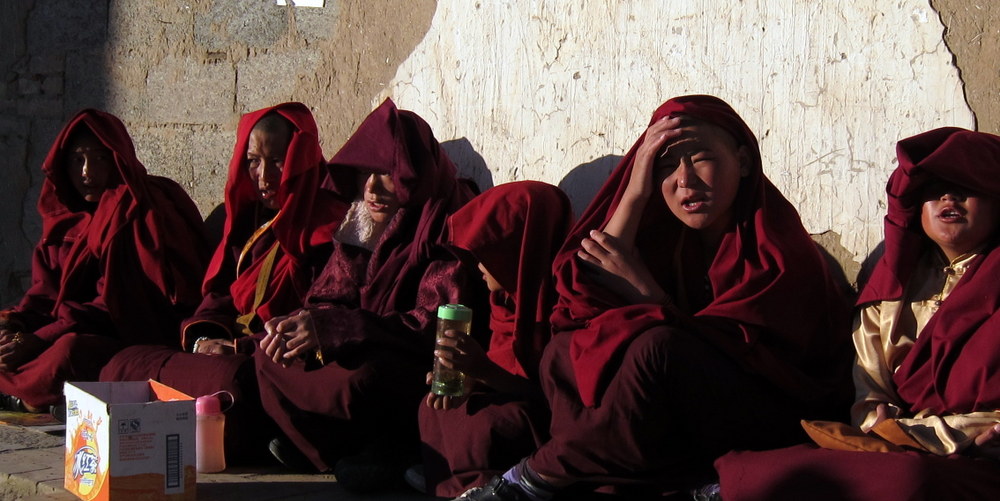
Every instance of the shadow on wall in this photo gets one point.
(53, 59)
(869, 265)
(469, 162)
(582, 183)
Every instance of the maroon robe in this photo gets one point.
(514, 230)
(302, 230)
(375, 312)
(952, 368)
(650, 394)
(107, 276)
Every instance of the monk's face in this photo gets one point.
(491, 283)
(379, 193)
(90, 166)
(699, 175)
(265, 161)
(957, 219)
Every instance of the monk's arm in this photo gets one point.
(872, 378)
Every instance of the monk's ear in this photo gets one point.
(743, 154)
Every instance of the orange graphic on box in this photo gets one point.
(83, 466)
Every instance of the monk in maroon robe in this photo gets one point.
(114, 266)
(348, 369)
(927, 372)
(695, 315)
(511, 233)
(277, 236)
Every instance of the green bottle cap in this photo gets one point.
(455, 312)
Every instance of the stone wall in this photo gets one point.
(548, 90)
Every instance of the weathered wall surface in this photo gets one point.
(547, 90)
(180, 74)
(557, 91)
(973, 35)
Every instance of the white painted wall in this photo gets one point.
(541, 87)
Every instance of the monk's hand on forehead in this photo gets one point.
(659, 133)
(663, 132)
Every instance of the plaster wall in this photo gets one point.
(559, 91)
(548, 90)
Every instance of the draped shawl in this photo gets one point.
(308, 215)
(514, 230)
(401, 144)
(954, 365)
(145, 236)
(775, 307)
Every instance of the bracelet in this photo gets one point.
(194, 348)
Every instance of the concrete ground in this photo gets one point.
(31, 469)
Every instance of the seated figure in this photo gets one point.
(342, 376)
(278, 231)
(695, 316)
(511, 234)
(927, 373)
(280, 218)
(115, 265)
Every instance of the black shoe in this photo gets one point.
(11, 403)
(415, 478)
(497, 489)
(58, 411)
(289, 455)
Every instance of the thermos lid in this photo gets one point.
(208, 404)
(455, 312)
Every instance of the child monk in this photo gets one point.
(511, 233)
(927, 374)
(695, 315)
(342, 376)
(114, 266)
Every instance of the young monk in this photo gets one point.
(511, 233)
(928, 369)
(695, 315)
(277, 236)
(347, 370)
(113, 267)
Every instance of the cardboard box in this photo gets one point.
(131, 440)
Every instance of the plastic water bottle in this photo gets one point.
(450, 382)
(209, 444)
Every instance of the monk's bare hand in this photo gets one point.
(987, 443)
(272, 343)
(216, 347)
(289, 337)
(444, 402)
(640, 184)
(457, 350)
(17, 348)
(620, 269)
(882, 412)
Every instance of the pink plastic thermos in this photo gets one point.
(209, 435)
